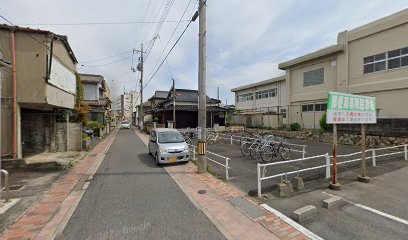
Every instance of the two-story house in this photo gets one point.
(96, 96)
(38, 92)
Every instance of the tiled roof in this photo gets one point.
(63, 38)
(188, 95)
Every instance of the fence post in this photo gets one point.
(231, 139)
(327, 166)
(226, 168)
(373, 156)
(258, 170)
(304, 151)
(406, 152)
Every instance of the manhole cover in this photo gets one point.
(202, 192)
(14, 187)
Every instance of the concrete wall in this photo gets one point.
(6, 112)
(74, 140)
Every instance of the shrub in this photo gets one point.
(295, 126)
(94, 125)
(323, 125)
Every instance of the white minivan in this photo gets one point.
(167, 145)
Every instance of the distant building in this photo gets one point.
(186, 109)
(97, 97)
(126, 104)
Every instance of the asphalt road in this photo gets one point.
(131, 198)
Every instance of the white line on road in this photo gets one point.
(294, 224)
(392, 217)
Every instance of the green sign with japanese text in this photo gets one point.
(343, 108)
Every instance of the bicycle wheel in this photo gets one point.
(284, 152)
(245, 149)
(188, 140)
(267, 153)
(211, 140)
(254, 152)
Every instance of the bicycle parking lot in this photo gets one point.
(242, 170)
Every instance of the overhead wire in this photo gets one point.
(106, 58)
(171, 49)
(105, 64)
(172, 34)
(97, 23)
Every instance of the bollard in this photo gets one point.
(327, 166)
(231, 139)
(304, 151)
(6, 184)
(373, 156)
(194, 153)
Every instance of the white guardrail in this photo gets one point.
(328, 164)
(234, 138)
(193, 149)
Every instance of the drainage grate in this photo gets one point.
(202, 192)
(14, 188)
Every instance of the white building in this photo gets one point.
(126, 104)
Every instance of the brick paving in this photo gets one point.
(43, 218)
(215, 203)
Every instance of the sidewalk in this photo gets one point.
(48, 216)
(235, 214)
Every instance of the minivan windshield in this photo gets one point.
(125, 122)
(169, 137)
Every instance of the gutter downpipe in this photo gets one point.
(14, 75)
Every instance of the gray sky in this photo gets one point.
(246, 39)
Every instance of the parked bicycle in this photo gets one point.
(273, 150)
(212, 137)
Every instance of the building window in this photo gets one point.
(245, 97)
(273, 92)
(307, 108)
(314, 77)
(266, 93)
(388, 60)
(320, 107)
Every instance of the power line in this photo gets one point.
(161, 64)
(98, 23)
(101, 65)
(101, 59)
(171, 36)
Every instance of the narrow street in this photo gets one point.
(131, 198)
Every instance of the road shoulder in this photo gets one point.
(216, 202)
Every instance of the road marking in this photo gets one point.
(392, 217)
(294, 224)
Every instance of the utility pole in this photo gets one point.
(174, 104)
(140, 68)
(202, 85)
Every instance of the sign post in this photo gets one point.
(346, 108)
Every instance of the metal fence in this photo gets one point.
(261, 168)
(210, 157)
(238, 139)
